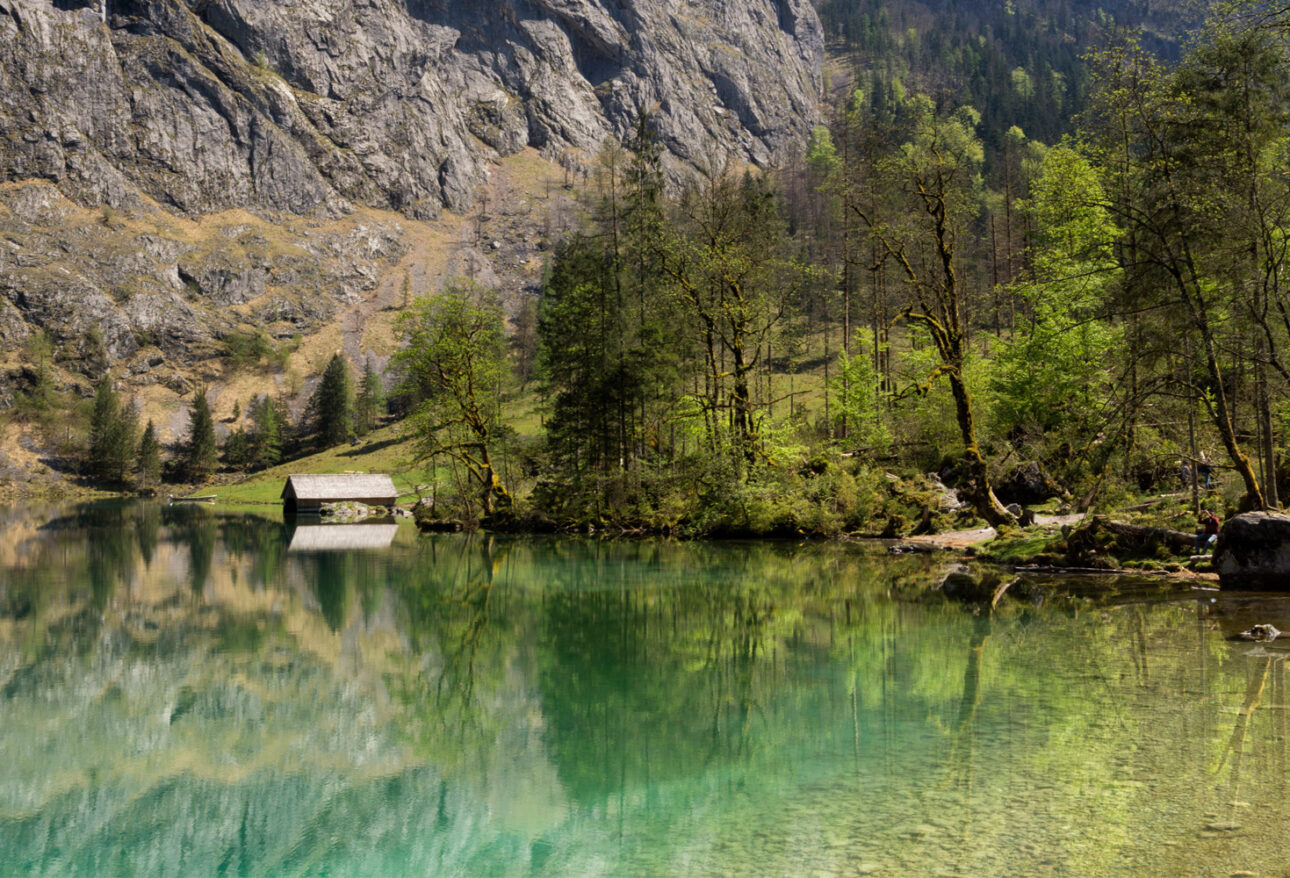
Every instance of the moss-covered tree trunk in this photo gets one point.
(980, 492)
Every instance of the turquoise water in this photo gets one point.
(190, 692)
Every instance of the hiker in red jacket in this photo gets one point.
(1208, 533)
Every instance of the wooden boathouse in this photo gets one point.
(306, 494)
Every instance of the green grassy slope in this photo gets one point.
(386, 450)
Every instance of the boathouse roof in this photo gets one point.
(339, 487)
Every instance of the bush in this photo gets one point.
(249, 349)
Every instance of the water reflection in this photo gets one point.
(184, 691)
(343, 537)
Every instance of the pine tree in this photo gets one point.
(112, 428)
(265, 437)
(148, 458)
(237, 450)
(369, 406)
(201, 455)
(332, 406)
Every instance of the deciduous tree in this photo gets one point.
(453, 362)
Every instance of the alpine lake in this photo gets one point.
(198, 691)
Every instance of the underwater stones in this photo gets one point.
(1253, 552)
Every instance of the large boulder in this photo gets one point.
(1253, 552)
(1026, 484)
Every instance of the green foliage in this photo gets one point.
(112, 435)
(453, 363)
(237, 450)
(608, 349)
(148, 458)
(246, 348)
(819, 497)
(200, 453)
(331, 408)
(265, 438)
(1054, 374)
(860, 399)
(369, 404)
(822, 158)
(40, 402)
(734, 275)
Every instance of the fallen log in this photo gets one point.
(1100, 538)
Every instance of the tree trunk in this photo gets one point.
(980, 493)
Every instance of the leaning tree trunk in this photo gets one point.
(980, 492)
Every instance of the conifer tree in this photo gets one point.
(369, 405)
(237, 449)
(148, 458)
(112, 428)
(201, 455)
(266, 433)
(332, 406)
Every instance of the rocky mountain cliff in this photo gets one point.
(319, 105)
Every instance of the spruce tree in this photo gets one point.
(200, 454)
(369, 405)
(148, 458)
(112, 427)
(266, 433)
(237, 450)
(332, 406)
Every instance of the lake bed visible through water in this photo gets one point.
(193, 691)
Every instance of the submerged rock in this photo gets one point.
(1253, 552)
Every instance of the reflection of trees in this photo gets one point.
(331, 579)
(962, 734)
(261, 541)
(653, 677)
(147, 529)
(455, 637)
(113, 554)
(199, 529)
(657, 662)
(1255, 684)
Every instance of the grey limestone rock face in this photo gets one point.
(1253, 552)
(310, 106)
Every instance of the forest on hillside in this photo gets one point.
(1023, 63)
(786, 353)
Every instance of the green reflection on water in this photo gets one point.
(184, 692)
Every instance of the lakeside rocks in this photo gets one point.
(1253, 552)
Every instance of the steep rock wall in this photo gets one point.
(316, 105)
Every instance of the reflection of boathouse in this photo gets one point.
(305, 494)
(342, 537)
